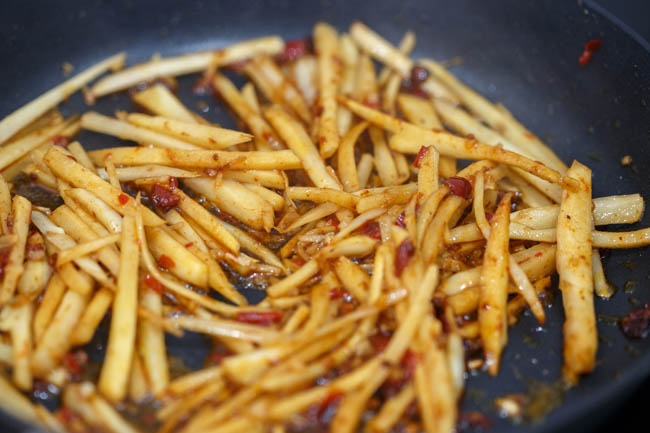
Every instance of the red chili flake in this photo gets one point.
(338, 293)
(123, 198)
(331, 401)
(538, 254)
(10, 223)
(400, 221)
(379, 341)
(636, 323)
(164, 197)
(319, 110)
(166, 262)
(409, 362)
(333, 220)
(593, 44)
(189, 244)
(421, 153)
(153, 284)
(403, 255)
(459, 186)
(72, 158)
(263, 318)
(418, 75)
(489, 216)
(590, 47)
(298, 260)
(371, 229)
(61, 141)
(173, 183)
(74, 362)
(585, 58)
(293, 50)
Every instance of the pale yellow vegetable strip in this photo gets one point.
(206, 220)
(61, 241)
(159, 100)
(21, 340)
(601, 287)
(114, 375)
(497, 117)
(186, 64)
(251, 117)
(31, 111)
(206, 136)
(530, 196)
(21, 213)
(300, 143)
(266, 178)
(317, 213)
(281, 159)
(364, 169)
(294, 280)
(91, 317)
(235, 199)
(428, 173)
(638, 238)
(254, 246)
(250, 96)
(354, 279)
(276, 86)
(574, 251)
(51, 297)
(418, 111)
(276, 201)
(615, 209)
(39, 176)
(14, 402)
(380, 49)
(322, 195)
(12, 152)
(396, 195)
(225, 328)
(326, 45)
(174, 286)
(118, 128)
(151, 343)
(127, 174)
(465, 124)
(84, 249)
(494, 288)
(406, 45)
(347, 168)
(392, 410)
(383, 159)
(450, 145)
(55, 341)
(184, 264)
(79, 176)
(5, 204)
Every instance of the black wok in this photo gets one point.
(521, 53)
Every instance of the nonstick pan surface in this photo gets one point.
(521, 53)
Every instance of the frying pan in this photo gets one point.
(521, 53)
